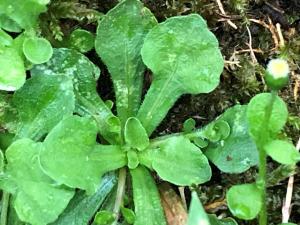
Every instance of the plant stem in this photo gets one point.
(120, 193)
(262, 174)
(4, 209)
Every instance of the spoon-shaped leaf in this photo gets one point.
(178, 161)
(25, 179)
(146, 198)
(41, 103)
(72, 157)
(119, 40)
(84, 75)
(184, 58)
(135, 134)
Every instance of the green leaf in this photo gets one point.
(41, 103)
(5, 39)
(37, 50)
(256, 113)
(12, 71)
(1, 161)
(178, 161)
(82, 208)
(128, 214)
(282, 152)
(84, 75)
(185, 59)
(213, 219)
(189, 125)
(197, 215)
(244, 201)
(133, 160)
(23, 171)
(217, 130)
(104, 218)
(24, 13)
(6, 139)
(119, 40)
(135, 134)
(8, 24)
(238, 152)
(71, 156)
(13, 218)
(81, 40)
(146, 198)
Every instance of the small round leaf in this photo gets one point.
(37, 50)
(104, 218)
(82, 40)
(244, 201)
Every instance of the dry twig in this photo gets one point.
(221, 8)
(254, 60)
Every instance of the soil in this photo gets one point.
(247, 26)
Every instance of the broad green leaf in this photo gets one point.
(178, 161)
(237, 152)
(146, 198)
(185, 59)
(119, 40)
(24, 13)
(12, 70)
(213, 219)
(244, 201)
(82, 208)
(71, 156)
(37, 50)
(256, 115)
(8, 24)
(135, 134)
(23, 170)
(5, 39)
(84, 75)
(282, 152)
(81, 40)
(197, 215)
(41, 103)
